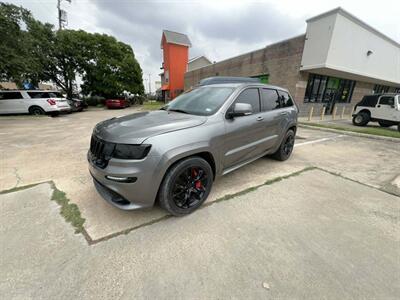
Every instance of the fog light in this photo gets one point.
(122, 179)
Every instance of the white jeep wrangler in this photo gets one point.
(381, 108)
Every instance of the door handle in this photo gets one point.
(283, 113)
(260, 118)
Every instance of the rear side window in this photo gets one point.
(10, 95)
(286, 100)
(250, 96)
(55, 95)
(386, 100)
(269, 99)
(36, 95)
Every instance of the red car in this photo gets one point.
(117, 103)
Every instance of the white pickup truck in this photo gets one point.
(381, 108)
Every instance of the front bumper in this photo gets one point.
(127, 196)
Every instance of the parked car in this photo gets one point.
(34, 102)
(381, 108)
(117, 103)
(175, 153)
(76, 104)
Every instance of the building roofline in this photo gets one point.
(353, 18)
(188, 44)
(273, 44)
(197, 57)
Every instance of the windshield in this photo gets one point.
(203, 101)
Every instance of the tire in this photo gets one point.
(361, 119)
(36, 111)
(180, 193)
(286, 147)
(385, 124)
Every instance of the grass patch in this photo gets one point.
(69, 211)
(268, 182)
(154, 105)
(367, 130)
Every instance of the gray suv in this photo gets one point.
(173, 155)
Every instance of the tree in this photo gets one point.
(111, 69)
(33, 51)
(24, 47)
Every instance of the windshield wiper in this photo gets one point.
(178, 110)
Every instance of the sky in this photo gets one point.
(218, 29)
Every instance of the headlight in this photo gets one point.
(124, 151)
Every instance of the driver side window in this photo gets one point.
(250, 96)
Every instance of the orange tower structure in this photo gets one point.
(175, 55)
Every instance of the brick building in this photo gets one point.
(337, 61)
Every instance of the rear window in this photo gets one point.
(10, 95)
(39, 94)
(369, 101)
(55, 95)
(286, 100)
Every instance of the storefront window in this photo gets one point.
(380, 89)
(327, 89)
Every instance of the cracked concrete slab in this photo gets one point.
(302, 241)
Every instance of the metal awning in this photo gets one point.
(165, 87)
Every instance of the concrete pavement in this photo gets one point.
(310, 236)
(42, 149)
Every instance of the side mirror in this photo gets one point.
(240, 109)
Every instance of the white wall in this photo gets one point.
(318, 39)
(349, 40)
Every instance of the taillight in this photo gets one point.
(51, 101)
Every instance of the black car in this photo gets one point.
(77, 105)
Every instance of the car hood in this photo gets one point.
(136, 128)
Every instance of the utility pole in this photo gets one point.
(149, 83)
(59, 14)
(62, 15)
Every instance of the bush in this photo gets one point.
(137, 100)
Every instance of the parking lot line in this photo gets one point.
(320, 140)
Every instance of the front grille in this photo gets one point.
(100, 151)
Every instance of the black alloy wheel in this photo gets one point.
(189, 187)
(288, 145)
(186, 186)
(286, 148)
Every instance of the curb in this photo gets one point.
(358, 134)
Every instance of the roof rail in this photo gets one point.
(227, 79)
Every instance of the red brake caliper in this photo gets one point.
(197, 183)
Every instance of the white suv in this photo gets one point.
(381, 108)
(35, 102)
